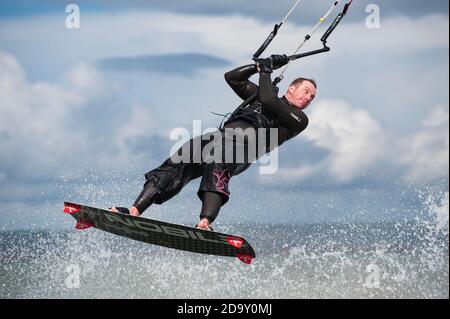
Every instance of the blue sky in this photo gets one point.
(23, 8)
(84, 113)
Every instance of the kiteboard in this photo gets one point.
(161, 233)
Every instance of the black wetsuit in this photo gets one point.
(268, 111)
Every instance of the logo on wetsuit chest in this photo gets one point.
(296, 117)
(258, 109)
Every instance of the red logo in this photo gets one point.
(235, 242)
(71, 208)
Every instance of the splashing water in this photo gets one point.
(404, 259)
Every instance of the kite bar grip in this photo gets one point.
(267, 41)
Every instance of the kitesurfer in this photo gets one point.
(266, 111)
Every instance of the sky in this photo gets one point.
(85, 112)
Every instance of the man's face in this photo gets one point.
(301, 95)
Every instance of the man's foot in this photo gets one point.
(204, 224)
(131, 211)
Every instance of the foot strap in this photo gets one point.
(123, 210)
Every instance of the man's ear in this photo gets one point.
(291, 88)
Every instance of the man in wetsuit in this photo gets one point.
(266, 111)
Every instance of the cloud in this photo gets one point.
(397, 35)
(91, 128)
(357, 146)
(141, 123)
(138, 34)
(426, 154)
(352, 139)
(32, 116)
(43, 131)
(186, 64)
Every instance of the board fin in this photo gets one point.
(246, 259)
(83, 224)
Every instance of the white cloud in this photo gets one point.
(41, 134)
(358, 146)
(438, 117)
(85, 82)
(141, 123)
(353, 139)
(396, 35)
(130, 34)
(426, 154)
(31, 111)
(35, 116)
(135, 33)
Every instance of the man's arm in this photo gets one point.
(295, 121)
(238, 80)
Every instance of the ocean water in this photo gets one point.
(404, 259)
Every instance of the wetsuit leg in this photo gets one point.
(147, 196)
(216, 176)
(168, 179)
(211, 206)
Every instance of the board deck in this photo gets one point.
(161, 233)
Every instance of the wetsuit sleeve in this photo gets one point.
(238, 80)
(295, 121)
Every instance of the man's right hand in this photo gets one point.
(264, 65)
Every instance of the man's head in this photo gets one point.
(301, 92)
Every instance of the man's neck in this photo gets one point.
(287, 100)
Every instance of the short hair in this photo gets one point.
(299, 81)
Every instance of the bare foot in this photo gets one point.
(204, 224)
(134, 211)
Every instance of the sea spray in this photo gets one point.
(395, 259)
